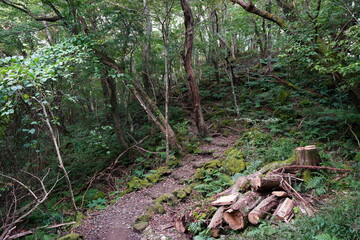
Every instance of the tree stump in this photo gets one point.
(308, 155)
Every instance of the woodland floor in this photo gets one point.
(114, 223)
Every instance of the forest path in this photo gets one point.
(114, 223)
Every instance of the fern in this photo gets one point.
(325, 236)
(317, 183)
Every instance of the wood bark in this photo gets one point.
(187, 58)
(280, 193)
(308, 155)
(262, 209)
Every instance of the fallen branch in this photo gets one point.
(297, 167)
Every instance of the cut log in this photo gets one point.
(236, 215)
(217, 219)
(235, 219)
(226, 200)
(308, 155)
(246, 202)
(266, 183)
(280, 193)
(284, 210)
(264, 207)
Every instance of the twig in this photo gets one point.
(357, 139)
(15, 180)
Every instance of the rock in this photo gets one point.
(140, 226)
(159, 208)
(72, 236)
(144, 218)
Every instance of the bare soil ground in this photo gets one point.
(114, 223)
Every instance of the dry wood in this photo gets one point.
(179, 223)
(246, 202)
(308, 155)
(235, 219)
(225, 200)
(284, 210)
(265, 206)
(217, 219)
(266, 183)
(280, 193)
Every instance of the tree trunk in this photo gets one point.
(266, 183)
(146, 52)
(187, 57)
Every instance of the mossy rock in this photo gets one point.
(137, 184)
(140, 226)
(234, 161)
(143, 218)
(199, 174)
(154, 178)
(168, 198)
(159, 208)
(72, 236)
(150, 210)
(173, 162)
(180, 194)
(215, 164)
(163, 171)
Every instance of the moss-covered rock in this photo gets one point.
(72, 236)
(137, 184)
(163, 171)
(154, 178)
(357, 157)
(168, 198)
(140, 226)
(173, 162)
(143, 218)
(150, 210)
(215, 164)
(159, 208)
(234, 161)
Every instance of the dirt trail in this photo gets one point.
(114, 223)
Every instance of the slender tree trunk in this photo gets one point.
(146, 52)
(187, 57)
(59, 156)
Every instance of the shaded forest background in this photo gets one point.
(89, 87)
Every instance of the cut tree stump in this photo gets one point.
(264, 207)
(266, 183)
(308, 155)
(285, 210)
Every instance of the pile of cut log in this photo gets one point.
(268, 193)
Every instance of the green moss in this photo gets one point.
(159, 208)
(143, 218)
(357, 157)
(112, 202)
(283, 96)
(163, 171)
(180, 194)
(187, 189)
(306, 175)
(215, 164)
(168, 198)
(173, 162)
(154, 178)
(72, 236)
(277, 164)
(234, 161)
(140, 226)
(137, 184)
(150, 210)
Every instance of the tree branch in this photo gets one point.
(250, 7)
